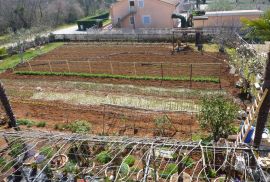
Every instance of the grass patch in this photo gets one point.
(129, 77)
(12, 61)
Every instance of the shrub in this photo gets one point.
(169, 171)
(41, 124)
(162, 123)
(46, 151)
(217, 114)
(79, 127)
(129, 160)
(104, 157)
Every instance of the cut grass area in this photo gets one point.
(129, 77)
(12, 61)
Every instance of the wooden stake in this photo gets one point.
(89, 65)
(68, 66)
(111, 67)
(30, 66)
(135, 71)
(50, 66)
(190, 79)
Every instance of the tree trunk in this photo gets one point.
(264, 110)
(5, 102)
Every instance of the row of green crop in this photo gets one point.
(130, 77)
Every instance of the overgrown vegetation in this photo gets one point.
(12, 61)
(129, 77)
(217, 115)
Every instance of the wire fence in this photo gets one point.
(159, 69)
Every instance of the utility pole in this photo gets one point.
(265, 108)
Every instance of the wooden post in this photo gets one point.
(134, 66)
(219, 76)
(111, 67)
(154, 164)
(265, 107)
(89, 65)
(50, 66)
(30, 67)
(68, 66)
(103, 121)
(173, 42)
(181, 167)
(162, 73)
(190, 79)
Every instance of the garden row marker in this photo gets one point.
(135, 71)
(253, 114)
(50, 66)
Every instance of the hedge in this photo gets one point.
(89, 22)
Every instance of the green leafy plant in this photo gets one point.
(217, 114)
(79, 127)
(47, 151)
(129, 160)
(41, 124)
(124, 169)
(169, 171)
(104, 157)
(188, 161)
(16, 149)
(71, 168)
(212, 173)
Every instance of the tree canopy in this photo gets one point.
(259, 28)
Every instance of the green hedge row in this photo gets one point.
(130, 77)
(89, 22)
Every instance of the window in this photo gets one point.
(146, 20)
(132, 20)
(141, 3)
(131, 3)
